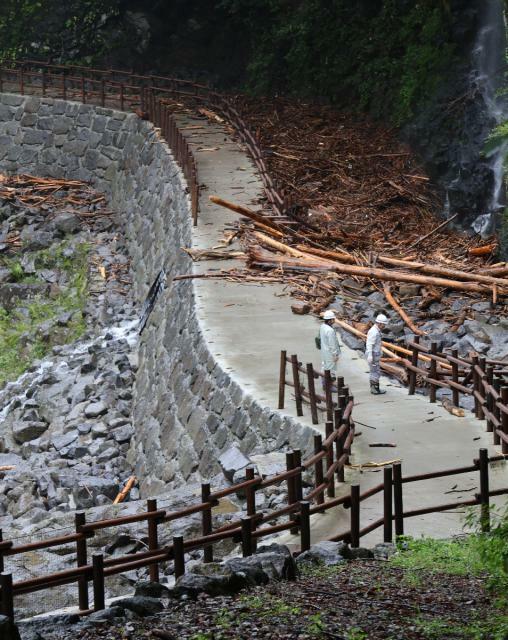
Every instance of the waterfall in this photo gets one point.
(489, 71)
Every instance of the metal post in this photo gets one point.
(98, 581)
(398, 500)
(387, 504)
(282, 379)
(206, 520)
(178, 556)
(81, 558)
(153, 539)
(484, 490)
(312, 393)
(318, 468)
(304, 525)
(355, 515)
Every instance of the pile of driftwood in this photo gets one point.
(319, 274)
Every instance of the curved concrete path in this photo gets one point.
(247, 325)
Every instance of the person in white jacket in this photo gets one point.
(330, 347)
(373, 352)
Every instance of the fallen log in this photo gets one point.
(395, 305)
(455, 411)
(486, 250)
(125, 491)
(374, 273)
(7, 467)
(332, 255)
(434, 269)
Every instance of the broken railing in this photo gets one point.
(311, 486)
(303, 383)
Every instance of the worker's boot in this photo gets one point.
(375, 390)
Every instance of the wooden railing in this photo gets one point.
(325, 466)
(483, 379)
(304, 388)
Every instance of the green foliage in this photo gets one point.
(20, 338)
(387, 56)
(356, 634)
(75, 29)
(494, 628)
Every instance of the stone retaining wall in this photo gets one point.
(187, 410)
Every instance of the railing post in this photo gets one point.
(282, 379)
(481, 364)
(414, 362)
(81, 559)
(328, 395)
(484, 490)
(304, 525)
(504, 420)
(489, 371)
(476, 388)
(2, 567)
(318, 468)
(398, 499)
(178, 556)
(250, 493)
(433, 372)
(355, 515)
(387, 504)
(312, 393)
(329, 460)
(7, 595)
(339, 442)
(296, 383)
(247, 537)
(497, 412)
(455, 378)
(64, 93)
(206, 519)
(153, 539)
(297, 459)
(98, 581)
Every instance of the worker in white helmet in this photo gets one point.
(330, 347)
(373, 352)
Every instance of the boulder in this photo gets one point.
(150, 589)
(67, 222)
(95, 409)
(326, 552)
(355, 553)
(26, 431)
(384, 550)
(264, 566)
(232, 461)
(86, 489)
(141, 605)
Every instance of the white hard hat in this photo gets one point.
(328, 315)
(382, 319)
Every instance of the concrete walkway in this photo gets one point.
(247, 325)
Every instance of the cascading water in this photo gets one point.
(488, 77)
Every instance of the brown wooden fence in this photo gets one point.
(483, 379)
(325, 466)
